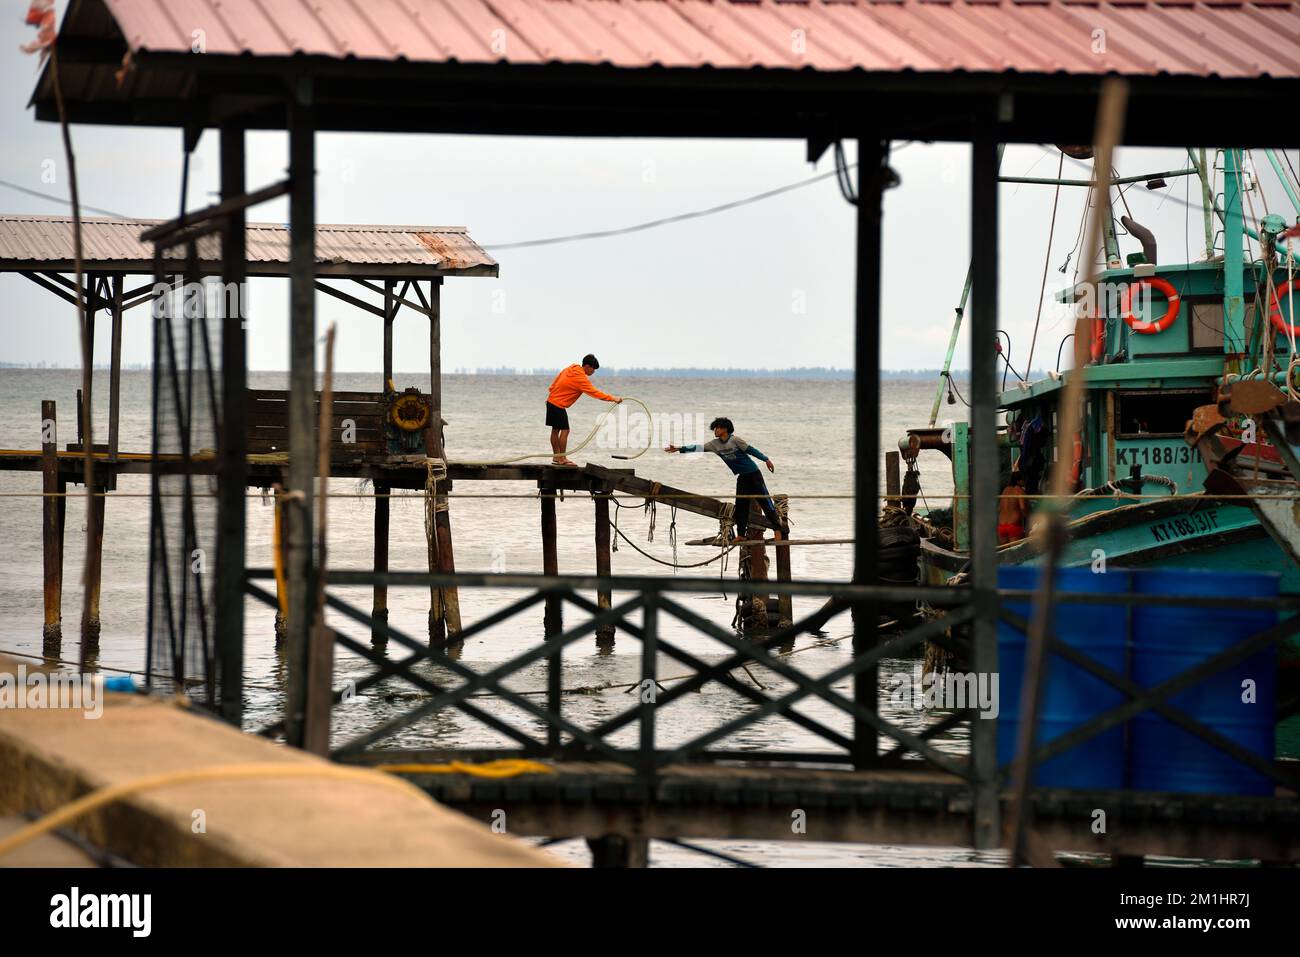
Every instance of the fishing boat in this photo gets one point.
(1190, 390)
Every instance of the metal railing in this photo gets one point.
(652, 598)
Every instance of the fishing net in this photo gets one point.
(183, 514)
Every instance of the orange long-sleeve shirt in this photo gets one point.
(570, 384)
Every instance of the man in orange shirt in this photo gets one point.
(565, 390)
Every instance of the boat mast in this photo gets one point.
(1234, 301)
(956, 326)
(1207, 199)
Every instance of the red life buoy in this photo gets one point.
(1156, 325)
(1275, 314)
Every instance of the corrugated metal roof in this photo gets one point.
(112, 245)
(1222, 38)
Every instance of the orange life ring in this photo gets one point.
(1158, 325)
(1275, 314)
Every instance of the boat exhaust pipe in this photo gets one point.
(1144, 236)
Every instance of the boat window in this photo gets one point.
(1164, 414)
(1207, 323)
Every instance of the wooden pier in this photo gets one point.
(122, 67)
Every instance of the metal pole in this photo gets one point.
(302, 396)
(115, 369)
(985, 158)
(872, 153)
(956, 327)
(233, 441)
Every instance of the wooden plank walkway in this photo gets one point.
(895, 805)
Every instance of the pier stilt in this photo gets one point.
(784, 603)
(605, 633)
(90, 625)
(448, 602)
(553, 622)
(52, 513)
(617, 850)
(758, 603)
(379, 608)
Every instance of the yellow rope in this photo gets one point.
(225, 772)
(503, 768)
(585, 442)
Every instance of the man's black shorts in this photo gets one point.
(556, 417)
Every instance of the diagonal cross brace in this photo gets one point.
(1155, 699)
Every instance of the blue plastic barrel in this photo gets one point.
(1167, 641)
(1071, 696)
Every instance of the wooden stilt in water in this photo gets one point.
(445, 558)
(553, 620)
(619, 850)
(784, 603)
(379, 609)
(90, 625)
(605, 633)
(758, 572)
(52, 513)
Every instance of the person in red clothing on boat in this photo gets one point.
(1013, 509)
(566, 388)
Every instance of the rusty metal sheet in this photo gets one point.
(45, 242)
(1226, 38)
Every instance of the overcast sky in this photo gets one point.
(726, 290)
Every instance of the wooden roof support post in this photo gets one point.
(228, 589)
(94, 569)
(379, 601)
(302, 400)
(437, 449)
(984, 488)
(872, 156)
(115, 366)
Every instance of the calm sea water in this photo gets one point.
(805, 426)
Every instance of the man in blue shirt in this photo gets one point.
(736, 453)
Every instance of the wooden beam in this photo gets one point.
(434, 442)
(623, 480)
(232, 443)
(302, 391)
(115, 371)
(423, 310)
(350, 300)
(872, 169)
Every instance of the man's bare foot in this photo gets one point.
(565, 461)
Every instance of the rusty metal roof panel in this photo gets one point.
(45, 243)
(1228, 38)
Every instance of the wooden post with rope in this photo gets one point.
(784, 603)
(320, 656)
(444, 615)
(605, 633)
(53, 510)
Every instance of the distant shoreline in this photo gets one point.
(809, 373)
